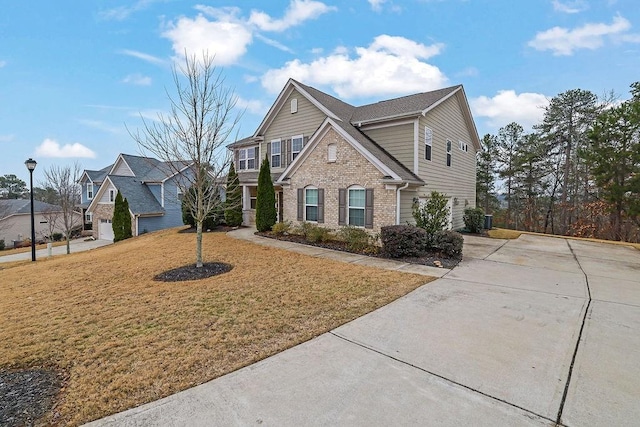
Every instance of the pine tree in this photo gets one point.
(266, 202)
(233, 203)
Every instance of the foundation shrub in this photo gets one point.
(400, 241)
(448, 242)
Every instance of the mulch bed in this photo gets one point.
(26, 396)
(191, 272)
(432, 259)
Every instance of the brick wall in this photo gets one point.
(101, 211)
(350, 168)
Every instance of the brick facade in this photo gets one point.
(105, 211)
(349, 169)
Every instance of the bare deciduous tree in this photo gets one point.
(64, 180)
(191, 138)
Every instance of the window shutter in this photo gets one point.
(342, 206)
(300, 204)
(368, 208)
(320, 205)
(269, 152)
(283, 153)
(236, 154)
(288, 144)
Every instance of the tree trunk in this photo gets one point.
(199, 244)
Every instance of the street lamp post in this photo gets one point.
(31, 165)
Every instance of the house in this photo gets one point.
(151, 187)
(15, 220)
(336, 164)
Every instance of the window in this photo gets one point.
(311, 204)
(112, 195)
(332, 153)
(355, 208)
(296, 146)
(294, 106)
(275, 153)
(428, 143)
(463, 146)
(247, 158)
(253, 197)
(90, 190)
(448, 153)
(180, 195)
(88, 217)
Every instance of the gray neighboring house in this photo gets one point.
(336, 164)
(151, 187)
(15, 220)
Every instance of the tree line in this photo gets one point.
(577, 173)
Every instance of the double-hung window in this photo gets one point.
(251, 158)
(428, 143)
(276, 146)
(242, 159)
(448, 153)
(90, 190)
(356, 205)
(296, 146)
(247, 158)
(311, 204)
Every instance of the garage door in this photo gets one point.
(105, 231)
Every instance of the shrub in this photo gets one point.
(404, 241)
(213, 219)
(121, 221)
(318, 234)
(280, 228)
(473, 219)
(233, 202)
(433, 215)
(303, 229)
(1, 244)
(448, 242)
(356, 238)
(57, 237)
(266, 214)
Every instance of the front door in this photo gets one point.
(280, 205)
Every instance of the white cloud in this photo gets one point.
(252, 106)
(506, 106)
(468, 72)
(137, 79)
(143, 56)
(226, 38)
(274, 43)
(575, 6)
(297, 12)
(149, 114)
(388, 66)
(376, 5)
(563, 41)
(51, 148)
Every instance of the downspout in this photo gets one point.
(398, 190)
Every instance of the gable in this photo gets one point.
(121, 168)
(285, 124)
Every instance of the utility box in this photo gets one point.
(488, 222)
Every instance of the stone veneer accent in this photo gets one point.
(105, 211)
(350, 168)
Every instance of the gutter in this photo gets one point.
(398, 190)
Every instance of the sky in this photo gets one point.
(76, 76)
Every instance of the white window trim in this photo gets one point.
(463, 146)
(88, 217)
(449, 157)
(90, 186)
(294, 153)
(294, 105)
(279, 153)
(348, 207)
(307, 204)
(428, 142)
(242, 157)
(253, 152)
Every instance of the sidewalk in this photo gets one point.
(77, 245)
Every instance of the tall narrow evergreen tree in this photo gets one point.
(117, 222)
(126, 220)
(233, 203)
(266, 202)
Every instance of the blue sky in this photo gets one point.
(73, 73)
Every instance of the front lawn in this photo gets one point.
(121, 339)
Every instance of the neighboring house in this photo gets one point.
(15, 220)
(151, 187)
(336, 164)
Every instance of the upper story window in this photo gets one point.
(88, 217)
(463, 146)
(247, 158)
(449, 153)
(89, 190)
(296, 146)
(355, 207)
(112, 195)
(276, 150)
(428, 143)
(294, 105)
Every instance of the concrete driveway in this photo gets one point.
(534, 331)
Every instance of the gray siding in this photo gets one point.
(458, 181)
(398, 140)
(156, 223)
(406, 206)
(122, 169)
(285, 125)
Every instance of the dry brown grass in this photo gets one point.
(503, 233)
(123, 339)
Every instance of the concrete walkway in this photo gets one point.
(77, 245)
(527, 332)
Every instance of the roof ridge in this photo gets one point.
(411, 95)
